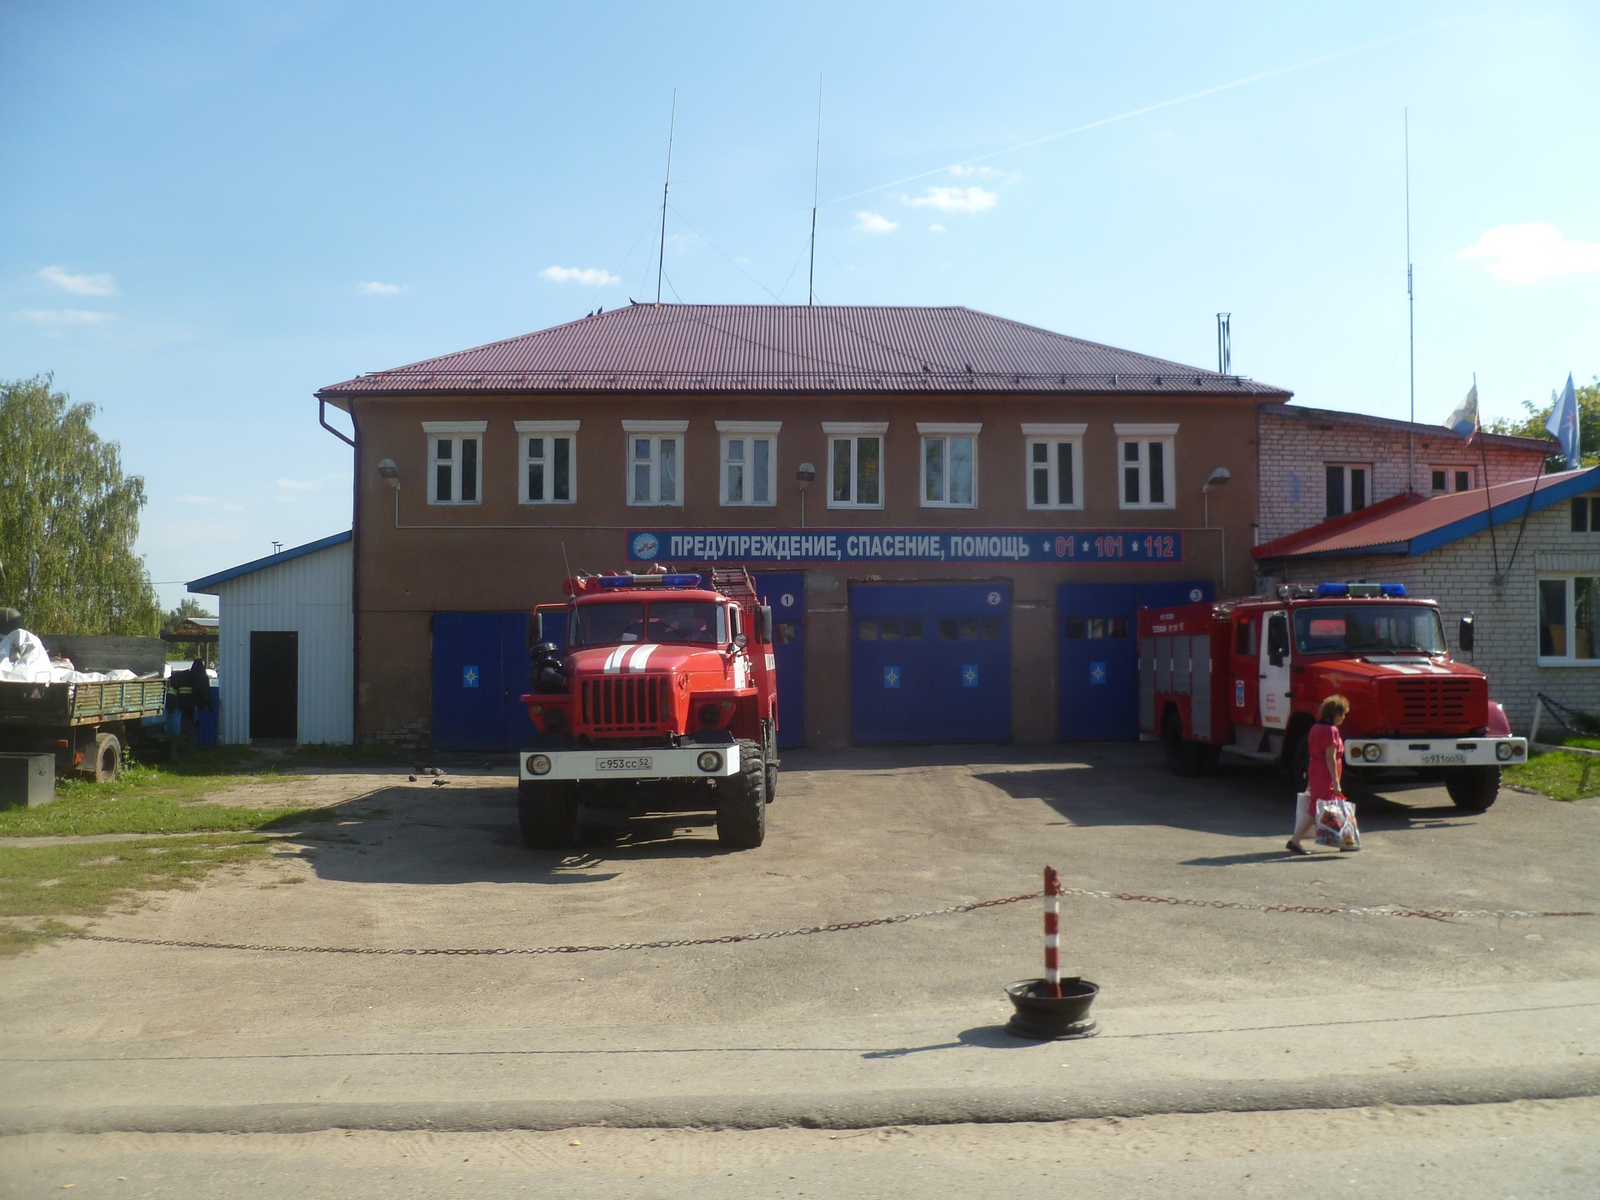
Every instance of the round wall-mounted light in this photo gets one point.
(389, 471)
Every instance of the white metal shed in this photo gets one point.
(286, 649)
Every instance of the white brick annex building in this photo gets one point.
(1523, 558)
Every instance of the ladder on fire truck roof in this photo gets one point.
(735, 583)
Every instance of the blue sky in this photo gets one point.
(212, 210)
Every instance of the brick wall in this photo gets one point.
(1294, 446)
(1461, 577)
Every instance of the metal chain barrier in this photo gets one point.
(1438, 914)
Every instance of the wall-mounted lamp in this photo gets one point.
(389, 471)
(1218, 477)
(804, 476)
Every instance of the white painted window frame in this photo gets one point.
(551, 432)
(1345, 468)
(853, 432)
(750, 432)
(658, 432)
(457, 432)
(1058, 437)
(1564, 660)
(1450, 470)
(943, 431)
(1142, 434)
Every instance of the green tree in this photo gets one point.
(68, 519)
(1531, 424)
(187, 608)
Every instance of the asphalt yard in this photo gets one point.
(1203, 1008)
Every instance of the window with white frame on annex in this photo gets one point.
(1569, 617)
(1145, 466)
(855, 463)
(1447, 479)
(1054, 465)
(549, 461)
(655, 462)
(1346, 487)
(949, 464)
(749, 458)
(455, 458)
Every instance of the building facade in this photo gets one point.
(953, 515)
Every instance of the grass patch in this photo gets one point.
(1559, 776)
(1583, 741)
(85, 880)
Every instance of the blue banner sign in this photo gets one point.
(905, 545)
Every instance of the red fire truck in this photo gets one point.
(1246, 677)
(663, 697)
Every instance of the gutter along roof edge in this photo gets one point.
(271, 560)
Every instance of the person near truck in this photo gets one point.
(1324, 766)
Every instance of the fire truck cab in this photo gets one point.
(664, 698)
(1246, 677)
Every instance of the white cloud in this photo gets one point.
(1532, 251)
(380, 289)
(742, 261)
(299, 485)
(587, 276)
(871, 222)
(79, 285)
(66, 316)
(935, 228)
(975, 172)
(954, 199)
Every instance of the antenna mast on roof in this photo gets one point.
(816, 186)
(661, 260)
(1411, 318)
(1225, 343)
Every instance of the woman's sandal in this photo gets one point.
(1296, 848)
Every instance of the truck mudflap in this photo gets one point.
(682, 762)
(1436, 752)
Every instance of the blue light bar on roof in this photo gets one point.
(1361, 591)
(1333, 589)
(1394, 589)
(671, 581)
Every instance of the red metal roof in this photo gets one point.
(1411, 525)
(758, 347)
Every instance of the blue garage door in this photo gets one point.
(1098, 634)
(930, 662)
(786, 593)
(480, 672)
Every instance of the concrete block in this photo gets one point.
(27, 779)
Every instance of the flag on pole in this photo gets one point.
(1563, 424)
(1465, 418)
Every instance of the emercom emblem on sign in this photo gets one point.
(469, 677)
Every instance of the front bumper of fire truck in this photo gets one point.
(681, 762)
(1436, 752)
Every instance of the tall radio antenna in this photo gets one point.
(661, 260)
(1411, 318)
(816, 186)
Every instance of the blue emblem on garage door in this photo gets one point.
(891, 677)
(469, 677)
(969, 675)
(1097, 672)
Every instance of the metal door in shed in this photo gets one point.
(1098, 635)
(785, 592)
(930, 662)
(480, 672)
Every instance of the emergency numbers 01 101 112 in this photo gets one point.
(1123, 547)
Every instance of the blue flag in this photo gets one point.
(1465, 418)
(1563, 424)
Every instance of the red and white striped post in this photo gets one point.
(1052, 933)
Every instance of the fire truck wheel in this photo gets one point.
(1472, 789)
(742, 802)
(547, 814)
(1183, 756)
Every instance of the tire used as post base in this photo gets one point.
(1043, 1018)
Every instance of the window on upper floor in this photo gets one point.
(655, 462)
(455, 455)
(1053, 465)
(855, 463)
(749, 458)
(1449, 479)
(1347, 487)
(1586, 514)
(1569, 616)
(1145, 461)
(549, 461)
(949, 464)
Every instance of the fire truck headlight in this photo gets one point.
(1372, 752)
(710, 714)
(538, 764)
(554, 719)
(709, 761)
(1503, 751)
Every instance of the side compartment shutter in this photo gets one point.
(1200, 686)
(1147, 683)
(1164, 665)
(1180, 666)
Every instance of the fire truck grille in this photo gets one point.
(627, 703)
(1434, 705)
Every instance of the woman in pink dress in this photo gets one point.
(1324, 766)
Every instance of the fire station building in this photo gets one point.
(954, 516)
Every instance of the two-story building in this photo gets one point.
(953, 515)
